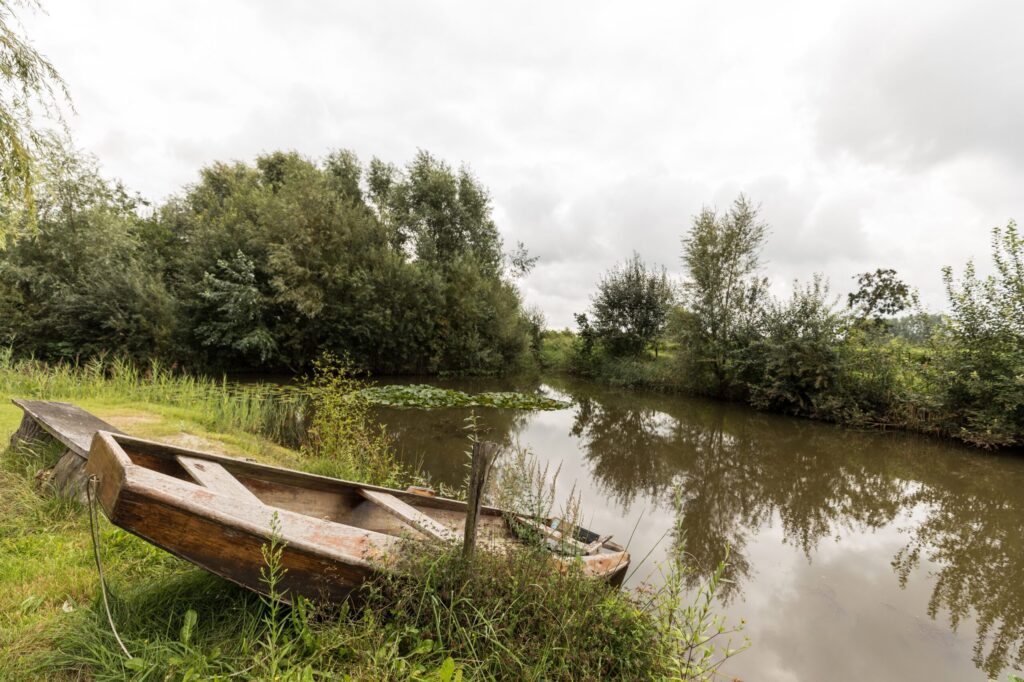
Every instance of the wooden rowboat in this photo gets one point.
(217, 511)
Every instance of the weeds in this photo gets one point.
(342, 440)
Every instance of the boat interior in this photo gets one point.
(413, 513)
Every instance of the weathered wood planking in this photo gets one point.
(597, 544)
(69, 424)
(484, 454)
(215, 477)
(414, 517)
(335, 536)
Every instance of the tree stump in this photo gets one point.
(46, 422)
(68, 478)
(29, 431)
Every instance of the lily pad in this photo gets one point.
(428, 397)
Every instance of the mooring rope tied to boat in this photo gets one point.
(93, 523)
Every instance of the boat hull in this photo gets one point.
(144, 488)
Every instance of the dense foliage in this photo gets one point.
(267, 266)
(981, 349)
(879, 360)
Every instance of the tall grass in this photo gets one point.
(276, 412)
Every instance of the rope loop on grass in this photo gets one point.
(93, 523)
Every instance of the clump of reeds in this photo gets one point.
(274, 411)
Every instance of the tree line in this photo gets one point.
(267, 265)
(878, 359)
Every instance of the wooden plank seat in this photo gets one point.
(414, 517)
(215, 477)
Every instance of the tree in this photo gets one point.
(83, 282)
(400, 270)
(723, 293)
(444, 215)
(631, 307)
(267, 265)
(29, 86)
(881, 294)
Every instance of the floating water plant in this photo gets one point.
(430, 397)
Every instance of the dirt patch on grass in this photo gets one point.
(194, 442)
(149, 425)
(129, 421)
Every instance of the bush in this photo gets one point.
(981, 351)
(795, 366)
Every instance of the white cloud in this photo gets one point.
(872, 134)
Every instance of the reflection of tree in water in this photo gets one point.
(974, 535)
(737, 470)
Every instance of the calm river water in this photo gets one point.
(855, 555)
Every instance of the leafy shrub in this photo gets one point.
(795, 366)
(556, 349)
(981, 352)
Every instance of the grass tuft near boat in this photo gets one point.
(216, 512)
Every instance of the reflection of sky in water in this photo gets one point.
(817, 517)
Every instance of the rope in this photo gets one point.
(93, 523)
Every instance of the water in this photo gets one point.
(855, 555)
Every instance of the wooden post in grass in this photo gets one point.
(484, 454)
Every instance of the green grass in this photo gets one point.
(437, 618)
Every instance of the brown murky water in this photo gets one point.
(855, 555)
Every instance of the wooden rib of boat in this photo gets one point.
(216, 512)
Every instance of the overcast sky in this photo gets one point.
(873, 134)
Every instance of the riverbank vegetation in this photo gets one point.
(439, 618)
(878, 360)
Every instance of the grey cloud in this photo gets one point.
(924, 83)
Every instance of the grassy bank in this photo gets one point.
(436, 619)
